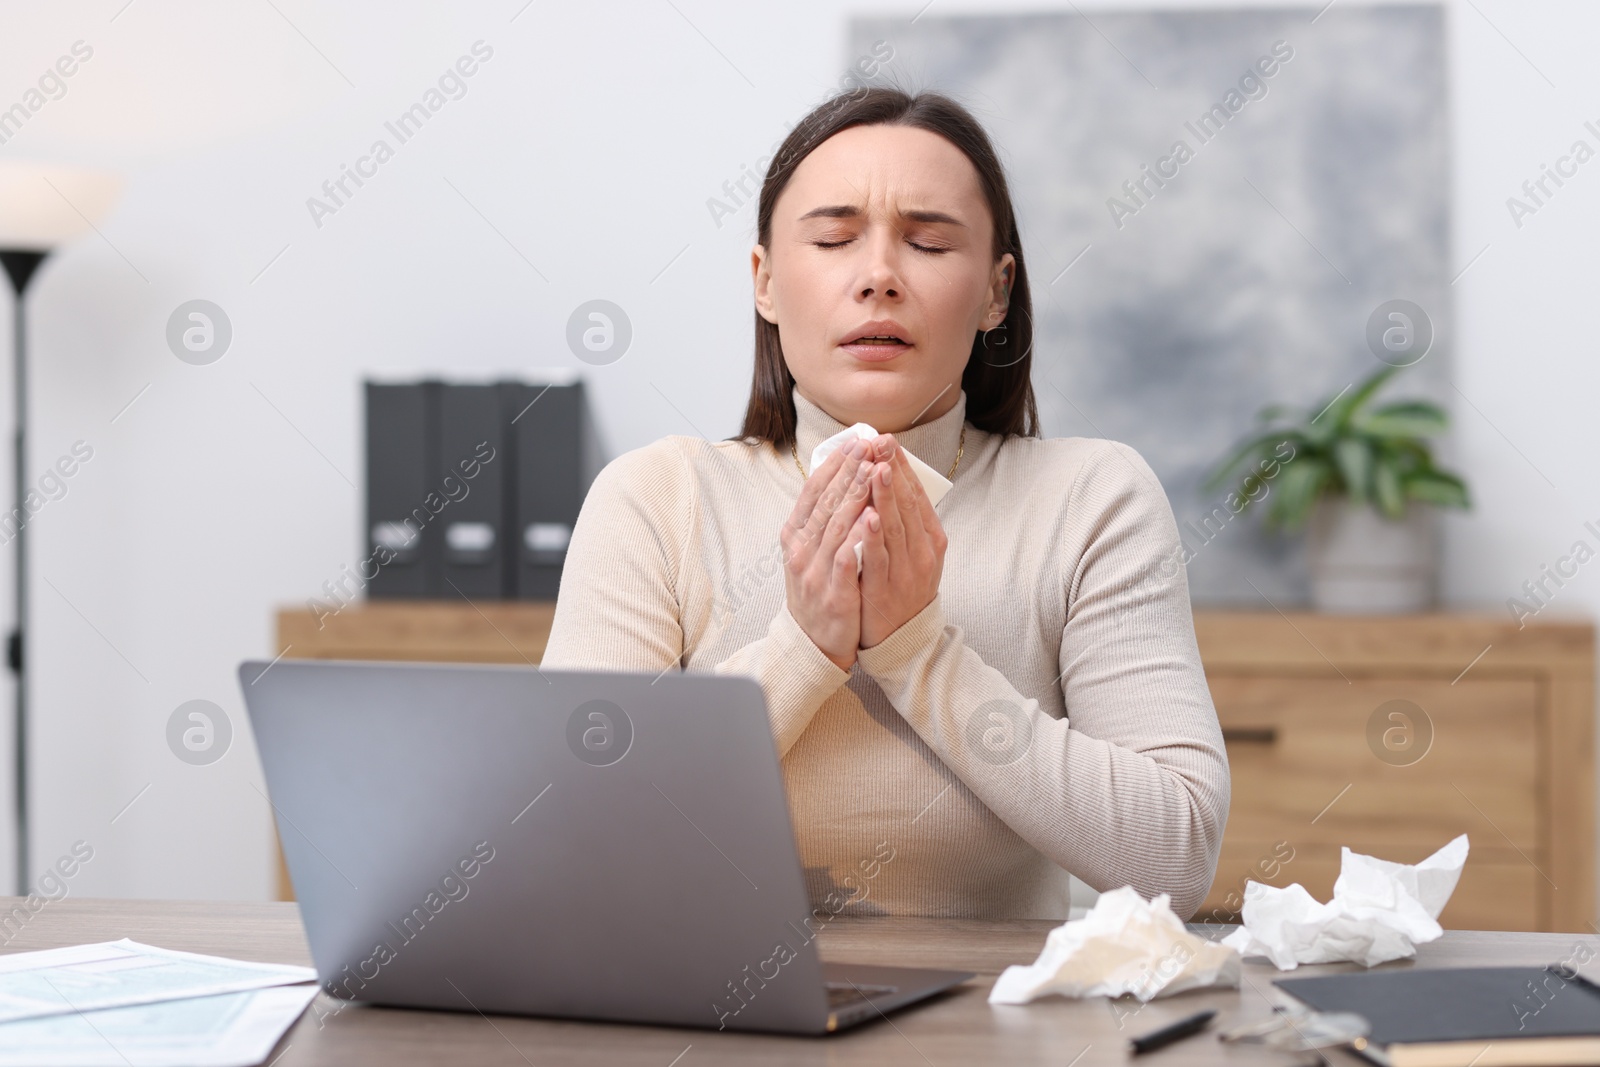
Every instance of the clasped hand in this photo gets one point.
(864, 493)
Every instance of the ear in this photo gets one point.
(1004, 273)
(762, 275)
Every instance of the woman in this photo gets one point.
(957, 734)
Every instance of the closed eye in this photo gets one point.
(913, 244)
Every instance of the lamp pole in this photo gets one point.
(20, 265)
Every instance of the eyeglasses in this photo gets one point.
(1302, 1031)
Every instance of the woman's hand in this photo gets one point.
(819, 540)
(903, 549)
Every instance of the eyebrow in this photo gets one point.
(850, 211)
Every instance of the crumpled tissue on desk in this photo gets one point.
(1380, 911)
(1124, 945)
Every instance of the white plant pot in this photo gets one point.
(1364, 563)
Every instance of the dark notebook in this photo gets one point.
(1452, 1017)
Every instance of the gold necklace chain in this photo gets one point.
(961, 446)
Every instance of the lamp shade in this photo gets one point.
(43, 206)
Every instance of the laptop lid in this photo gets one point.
(505, 839)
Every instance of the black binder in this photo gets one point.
(402, 542)
(472, 520)
(473, 489)
(556, 455)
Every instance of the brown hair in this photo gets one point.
(999, 388)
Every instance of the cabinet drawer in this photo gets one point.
(1295, 744)
(1311, 770)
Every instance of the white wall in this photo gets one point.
(590, 141)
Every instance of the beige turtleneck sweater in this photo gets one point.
(1046, 713)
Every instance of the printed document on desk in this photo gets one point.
(230, 1030)
(117, 974)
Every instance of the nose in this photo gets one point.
(881, 268)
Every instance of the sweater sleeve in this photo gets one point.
(617, 608)
(794, 673)
(1132, 786)
(619, 605)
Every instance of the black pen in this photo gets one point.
(1174, 1032)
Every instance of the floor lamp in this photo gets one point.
(41, 208)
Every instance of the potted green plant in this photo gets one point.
(1362, 481)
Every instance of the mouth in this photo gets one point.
(875, 348)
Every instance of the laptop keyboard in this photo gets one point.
(844, 994)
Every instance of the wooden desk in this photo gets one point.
(961, 1028)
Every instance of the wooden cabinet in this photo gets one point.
(1391, 735)
(439, 631)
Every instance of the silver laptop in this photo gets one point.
(584, 845)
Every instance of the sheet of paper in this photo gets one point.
(231, 1030)
(116, 974)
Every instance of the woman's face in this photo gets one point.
(881, 230)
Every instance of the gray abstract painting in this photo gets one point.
(1213, 203)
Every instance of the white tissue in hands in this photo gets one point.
(1380, 911)
(1125, 944)
(934, 484)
